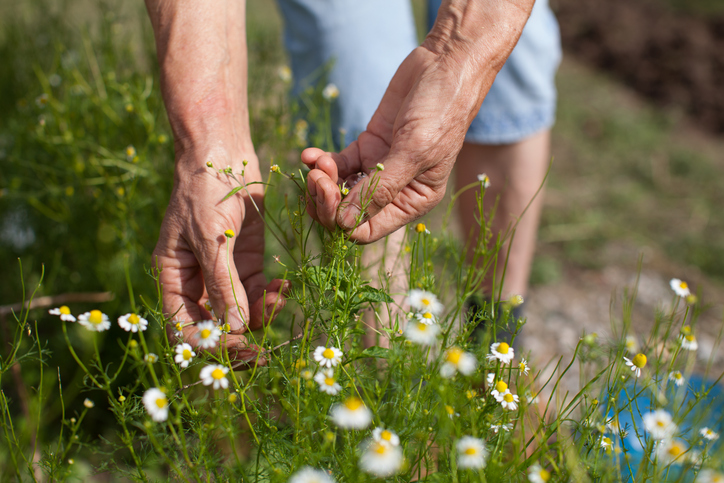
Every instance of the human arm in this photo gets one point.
(420, 124)
(201, 48)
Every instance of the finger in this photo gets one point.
(226, 292)
(348, 162)
(182, 288)
(237, 346)
(268, 303)
(328, 166)
(326, 199)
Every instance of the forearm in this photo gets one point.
(201, 49)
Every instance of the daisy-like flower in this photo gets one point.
(472, 453)
(422, 333)
(178, 329)
(709, 476)
(63, 312)
(310, 475)
(285, 74)
(500, 388)
(381, 459)
(150, 358)
(679, 287)
(606, 443)
(637, 363)
(424, 301)
(510, 401)
(632, 344)
(615, 428)
(132, 323)
(659, 424)
(94, 320)
(306, 374)
(184, 355)
(484, 180)
(689, 342)
(709, 434)
(327, 382)
(537, 474)
(351, 414)
(507, 427)
(451, 411)
(426, 317)
(523, 367)
(385, 436)
(214, 375)
(328, 356)
(676, 377)
(88, 403)
(208, 334)
(457, 360)
(670, 450)
(156, 404)
(330, 92)
(502, 352)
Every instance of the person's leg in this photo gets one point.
(516, 172)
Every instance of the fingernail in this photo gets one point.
(321, 198)
(348, 218)
(234, 320)
(312, 187)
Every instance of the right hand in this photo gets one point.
(192, 253)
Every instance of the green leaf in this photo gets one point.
(375, 351)
(233, 192)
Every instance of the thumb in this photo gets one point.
(226, 292)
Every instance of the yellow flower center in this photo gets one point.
(690, 338)
(508, 398)
(522, 366)
(425, 301)
(329, 381)
(677, 375)
(470, 451)
(639, 360)
(503, 348)
(300, 364)
(675, 450)
(206, 333)
(179, 326)
(545, 475)
(660, 424)
(684, 285)
(217, 374)
(186, 355)
(420, 227)
(607, 441)
(421, 327)
(454, 355)
(501, 386)
(96, 317)
(161, 402)
(449, 410)
(65, 310)
(427, 315)
(232, 398)
(229, 233)
(353, 403)
(386, 435)
(379, 448)
(134, 319)
(328, 354)
(686, 330)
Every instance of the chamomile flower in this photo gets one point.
(422, 333)
(327, 382)
(63, 312)
(709, 434)
(472, 453)
(132, 323)
(659, 424)
(502, 352)
(484, 180)
(679, 287)
(632, 344)
(689, 342)
(330, 92)
(509, 401)
(328, 356)
(507, 427)
(88, 403)
(676, 377)
(351, 414)
(670, 450)
(310, 475)
(156, 404)
(426, 317)
(381, 459)
(150, 358)
(457, 360)
(208, 334)
(500, 388)
(537, 474)
(385, 436)
(178, 329)
(424, 301)
(184, 355)
(606, 443)
(94, 320)
(523, 367)
(214, 375)
(637, 363)
(285, 74)
(709, 476)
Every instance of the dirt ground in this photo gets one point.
(669, 57)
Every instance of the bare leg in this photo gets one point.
(516, 171)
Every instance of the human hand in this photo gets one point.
(192, 253)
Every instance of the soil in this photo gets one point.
(669, 57)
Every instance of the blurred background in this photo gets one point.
(636, 187)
